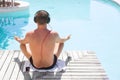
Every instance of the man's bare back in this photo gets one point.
(41, 43)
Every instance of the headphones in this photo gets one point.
(48, 20)
(42, 17)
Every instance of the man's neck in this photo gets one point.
(42, 27)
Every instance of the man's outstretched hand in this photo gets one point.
(68, 37)
(17, 38)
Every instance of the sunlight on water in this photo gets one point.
(10, 25)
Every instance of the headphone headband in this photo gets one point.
(42, 17)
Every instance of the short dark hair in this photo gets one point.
(41, 17)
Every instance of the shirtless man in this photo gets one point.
(42, 43)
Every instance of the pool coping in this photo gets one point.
(117, 1)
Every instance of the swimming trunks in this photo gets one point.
(50, 67)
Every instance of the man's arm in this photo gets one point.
(61, 43)
(22, 41)
(60, 48)
(62, 40)
(23, 45)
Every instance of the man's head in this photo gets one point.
(42, 17)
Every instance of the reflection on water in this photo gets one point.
(11, 25)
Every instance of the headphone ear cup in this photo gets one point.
(35, 19)
(48, 20)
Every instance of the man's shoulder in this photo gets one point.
(29, 33)
(53, 32)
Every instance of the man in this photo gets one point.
(42, 43)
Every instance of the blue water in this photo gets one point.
(93, 24)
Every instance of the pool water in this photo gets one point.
(93, 24)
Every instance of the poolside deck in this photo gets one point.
(81, 65)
